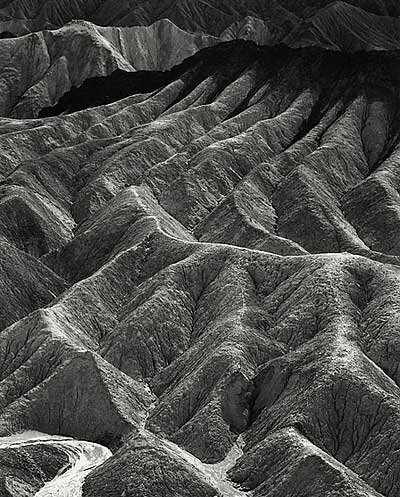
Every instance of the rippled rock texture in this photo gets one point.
(36, 70)
(199, 246)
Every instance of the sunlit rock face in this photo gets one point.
(211, 17)
(37, 69)
(199, 249)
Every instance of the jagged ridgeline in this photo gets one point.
(36, 70)
(211, 16)
(200, 249)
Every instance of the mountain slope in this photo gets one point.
(58, 60)
(68, 56)
(217, 263)
(199, 247)
(20, 16)
(343, 27)
(212, 17)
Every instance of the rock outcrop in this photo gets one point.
(25, 469)
(199, 246)
(213, 17)
(341, 26)
(66, 57)
(39, 68)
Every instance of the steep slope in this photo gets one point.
(152, 467)
(38, 69)
(315, 144)
(25, 469)
(25, 284)
(262, 32)
(305, 9)
(343, 27)
(276, 18)
(214, 274)
(20, 16)
(66, 57)
(213, 16)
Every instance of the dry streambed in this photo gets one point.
(83, 456)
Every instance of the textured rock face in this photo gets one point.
(343, 27)
(38, 69)
(283, 157)
(199, 249)
(144, 455)
(24, 470)
(21, 16)
(60, 59)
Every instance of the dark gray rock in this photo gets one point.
(200, 270)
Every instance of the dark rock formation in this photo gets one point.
(213, 17)
(24, 470)
(158, 38)
(199, 249)
(341, 26)
(20, 16)
(144, 455)
(68, 56)
(25, 284)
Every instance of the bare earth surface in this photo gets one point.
(199, 249)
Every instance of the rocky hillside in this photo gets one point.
(212, 16)
(36, 70)
(200, 247)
